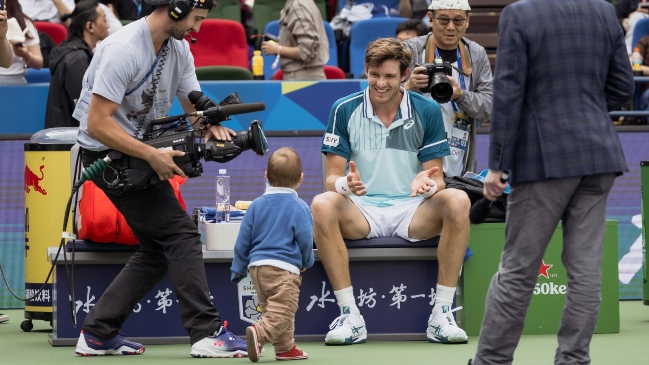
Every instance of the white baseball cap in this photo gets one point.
(449, 5)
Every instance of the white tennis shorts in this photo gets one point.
(389, 221)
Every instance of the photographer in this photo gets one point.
(472, 92)
(23, 37)
(133, 79)
(69, 61)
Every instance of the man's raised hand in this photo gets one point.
(354, 180)
(422, 183)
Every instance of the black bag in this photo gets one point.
(474, 189)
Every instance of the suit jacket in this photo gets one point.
(561, 67)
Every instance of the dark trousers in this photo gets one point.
(169, 242)
(533, 211)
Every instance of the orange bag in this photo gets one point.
(99, 221)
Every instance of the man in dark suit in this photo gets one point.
(561, 66)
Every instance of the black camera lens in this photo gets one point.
(252, 139)
(440, 88)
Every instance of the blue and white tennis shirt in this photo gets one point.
(388, 159)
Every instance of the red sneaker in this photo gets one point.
(294, 354)
(252, 340)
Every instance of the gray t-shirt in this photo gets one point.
(121, 63)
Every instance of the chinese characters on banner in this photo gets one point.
(368, 298)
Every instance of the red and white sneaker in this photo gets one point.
(294, 354)
(252, 341)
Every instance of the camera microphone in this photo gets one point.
(232, 109)
(480, 210)
(191, 38)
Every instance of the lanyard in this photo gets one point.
(150, 71)
(459, 65)
(138, 5)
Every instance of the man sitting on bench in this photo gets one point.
(384, 148)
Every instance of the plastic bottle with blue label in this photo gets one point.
(222, 197)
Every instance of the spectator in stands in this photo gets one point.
(46, 45)
(472, 85)
(6, 52)
(414, 9)
(629, 24)
(113, 22)
(130, 9)
(47, 10)
(411, 28)
(69, 61)
(624, 8)
(643, 45)
(27, 52)
(554, 133)
(384, 148)
(303, 47)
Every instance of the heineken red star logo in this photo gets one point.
(543, 270)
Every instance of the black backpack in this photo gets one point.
(474, 189)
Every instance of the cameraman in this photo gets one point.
(472, 92)
(133, 79)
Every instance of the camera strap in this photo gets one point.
(430, 52)
(157, 59)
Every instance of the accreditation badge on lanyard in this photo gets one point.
(459, 134)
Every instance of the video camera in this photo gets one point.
(175, 132)
(438, 85)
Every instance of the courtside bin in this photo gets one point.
(47, 189)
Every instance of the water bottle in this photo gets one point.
(257, 66)
(636, 61)
(223, 196)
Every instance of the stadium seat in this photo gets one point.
(38, 76)
(641, 29)
(333, 47)
(221, 42)
(58, 32)
(226, 9)
(273, 28)
(362, 33)
(332, 73)
(213, 73)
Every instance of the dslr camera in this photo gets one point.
(438, 85)
(176, 133)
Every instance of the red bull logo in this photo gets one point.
(33, 181)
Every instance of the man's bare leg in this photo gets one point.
(335, 217)
(448, 211)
